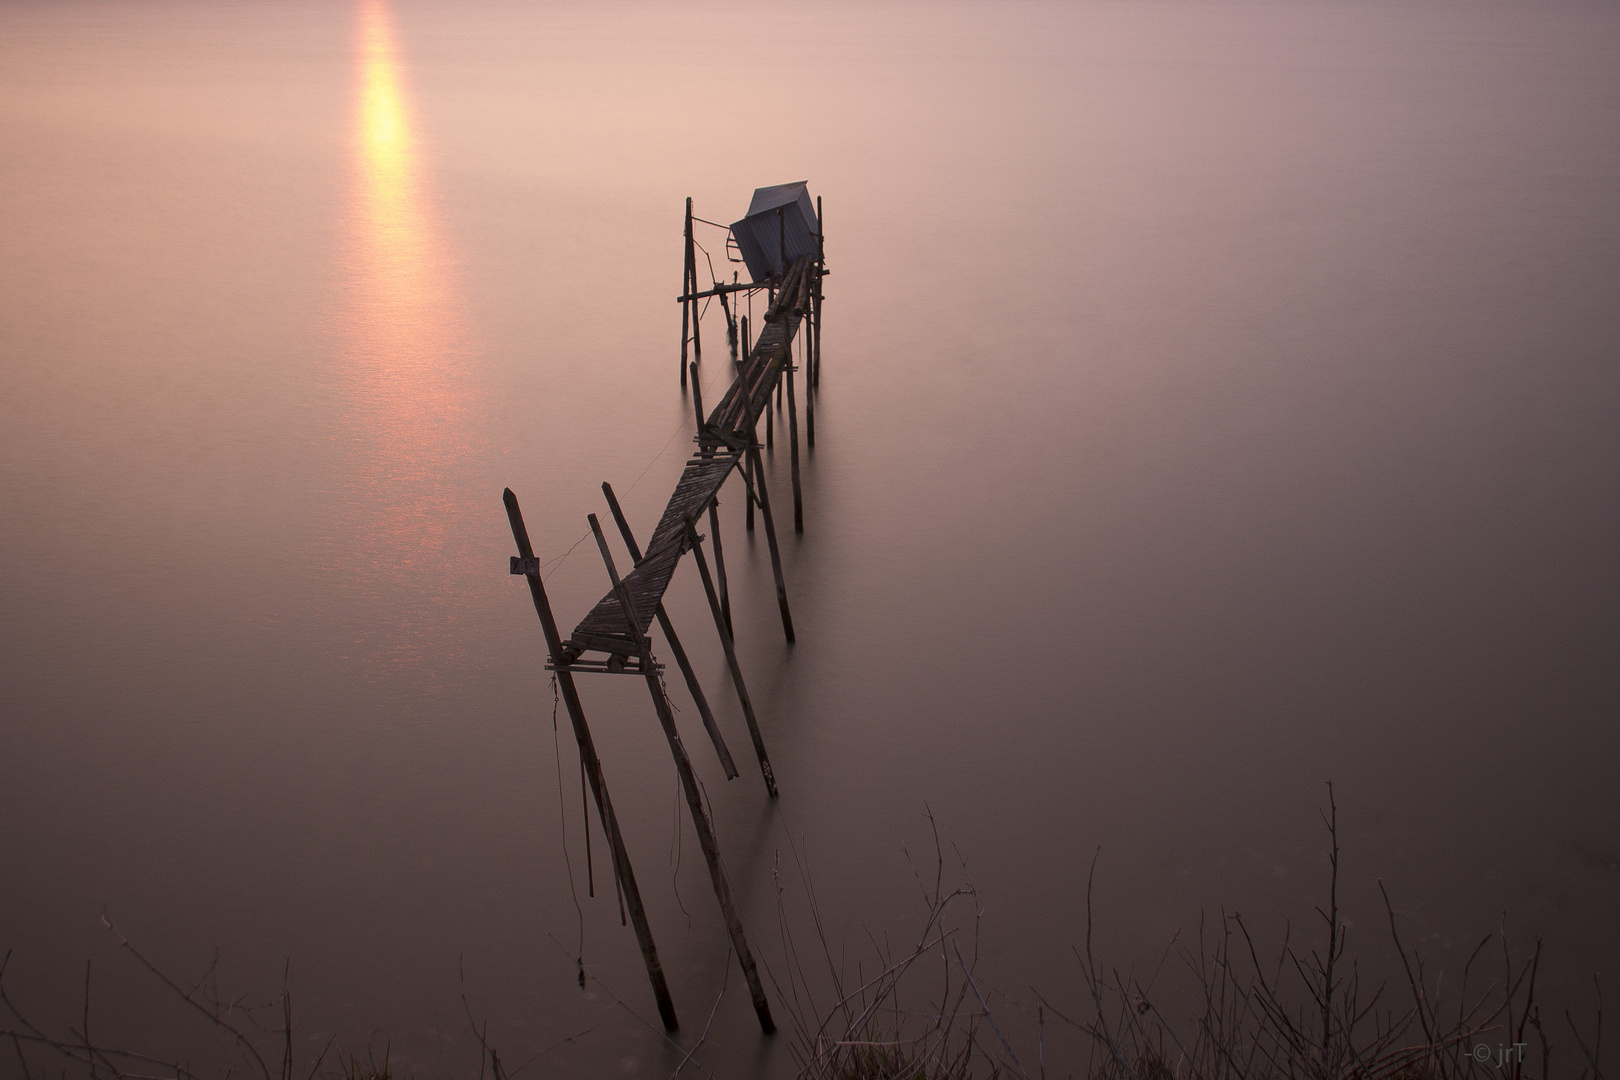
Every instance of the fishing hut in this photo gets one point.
(780, 242)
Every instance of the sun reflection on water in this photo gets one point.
(403, 380)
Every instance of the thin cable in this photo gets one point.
(585, 816)
(675, 855)
(562, 818)
(555, 564)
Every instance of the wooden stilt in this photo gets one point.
(681, 659)
(697, 407)
(729, 646)
(625, 875)
(821, 268)
(770, 424)
(793, 446)
(686, 289)
(809, 388)
(691, 262)
(694, 798)
(770, 537)
(748, 351)
(720, 564)
(731, 325)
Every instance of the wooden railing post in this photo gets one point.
(625, 874)
(681, 659)
(694, 797)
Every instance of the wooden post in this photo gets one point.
(697, 407)
(686, 288)
(730, 648)
(765, 507)
(731, 325)
(694, 798)
(770, 424)
(748, 352)
(770, 537)
(593, 767)
(793, 446)
(681, 659)
(720, 564)
(809, 388)
(821, 268)
(691, 263)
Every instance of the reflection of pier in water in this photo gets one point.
(781, 242)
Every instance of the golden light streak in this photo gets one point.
(404, 375)
(399, 260)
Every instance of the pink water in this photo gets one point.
(1219, 399)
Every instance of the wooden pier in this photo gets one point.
(614, 637)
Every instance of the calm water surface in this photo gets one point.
(1219, 399)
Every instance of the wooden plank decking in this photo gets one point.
(723, 440)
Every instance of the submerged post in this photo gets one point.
(753, 459)
(720, 563)
(821, 269)
(809, 388)
(729, 646)
(748, 352)
(626, 875)
(697, 407)
(694, 798)
(686, 288)
(691, 262)
(793, 446)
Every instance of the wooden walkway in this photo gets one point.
(619, 625)
(724, 441)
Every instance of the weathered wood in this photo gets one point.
(681, 660)
(809, 402)
(686, 287)
(720, 564)
(613, 645)
(697, 314)
(694, 802)
(785, 290)
(821, 272)
(615, 665)
(730, 648)
(793, 450)
(623, 871)
(711, 855)
(697, 404)
(748, 352)
(770, 537)
(720, 290)
(801, 295)
(731, 324)
(700, 480)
